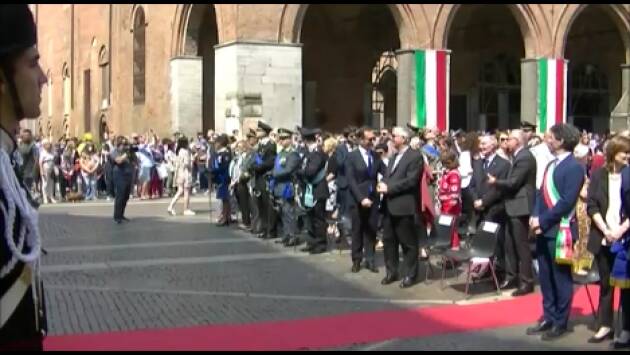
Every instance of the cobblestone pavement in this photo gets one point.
(159, 271)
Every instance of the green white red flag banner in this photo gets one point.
(432, 88)
(552, 92)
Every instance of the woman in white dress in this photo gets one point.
(46, 169)
(183, 177)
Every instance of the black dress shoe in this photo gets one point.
(282, 241)
(356, 266)
(389, 279)
(317, 251)
(371, 267)
(509, 283)
(619, 345)
(523, 290)
(306, 249)
(118, 221)
(554, 333)
(539, 328)
(595, 340)
(406, 282)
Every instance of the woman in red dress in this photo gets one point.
(449, 191)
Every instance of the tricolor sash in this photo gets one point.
(564, 239)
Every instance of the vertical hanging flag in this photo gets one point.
(552, 88)
(432, 73)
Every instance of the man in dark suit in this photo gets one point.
(362, 168)
(265, 155)
(341, 155)
(519, 190)
(553, 218)
(400, 208)
(315, 191)
(487, 199)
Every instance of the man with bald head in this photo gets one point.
(519, 191)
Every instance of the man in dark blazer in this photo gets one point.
(313, 173)
(362, 167)
(555, 203)
(519, 191)
(341, 155)
(400, 208)
(487, 199)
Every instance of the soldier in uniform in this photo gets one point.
(263, 164)
(315, 191)
(221, 177)
(286, 164)
(22, 310)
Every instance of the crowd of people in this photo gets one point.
(369, 187)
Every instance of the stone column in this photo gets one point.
(620, 117)
(405, 87)
(186, 95)
(264, 79)
(529, 90)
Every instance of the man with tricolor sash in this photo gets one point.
(553, 223)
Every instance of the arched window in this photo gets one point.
(139, 56)
(103, 62)
(65, 74)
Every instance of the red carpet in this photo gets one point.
(332, 331)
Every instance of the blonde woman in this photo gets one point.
(183, 177)
(330, 148)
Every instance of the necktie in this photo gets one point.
(393, 159)
(485, 164)
(369, 154)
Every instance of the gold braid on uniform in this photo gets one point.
(17, 201)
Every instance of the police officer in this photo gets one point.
(221, 177)
(315, 191)
(286, 164)
(22, 308)
(124, 158)
(262, 166)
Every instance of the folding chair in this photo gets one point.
(482, 246)
(443, 230)
(591, 278)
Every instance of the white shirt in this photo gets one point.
(465, 168)
(364, 154)
(614, 201)
(543, 157)
(398, 157)
(490, 159)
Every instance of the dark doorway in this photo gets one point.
(341, 45)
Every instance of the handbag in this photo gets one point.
(162, 171)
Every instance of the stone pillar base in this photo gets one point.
(186, 95)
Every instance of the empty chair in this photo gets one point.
(443, 230)
(482, 246)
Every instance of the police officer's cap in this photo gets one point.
(527, 125)
(413, 128)
(262, 126)
(17, 28)
(284, 133)
(310, 133)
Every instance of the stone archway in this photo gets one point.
(487, 43)
(341, 44)
(193, 66)
(594, 88)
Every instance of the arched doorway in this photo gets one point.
(595, 51)
(341, 45)
(486, 46)
(200, 38)
(384, 91)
